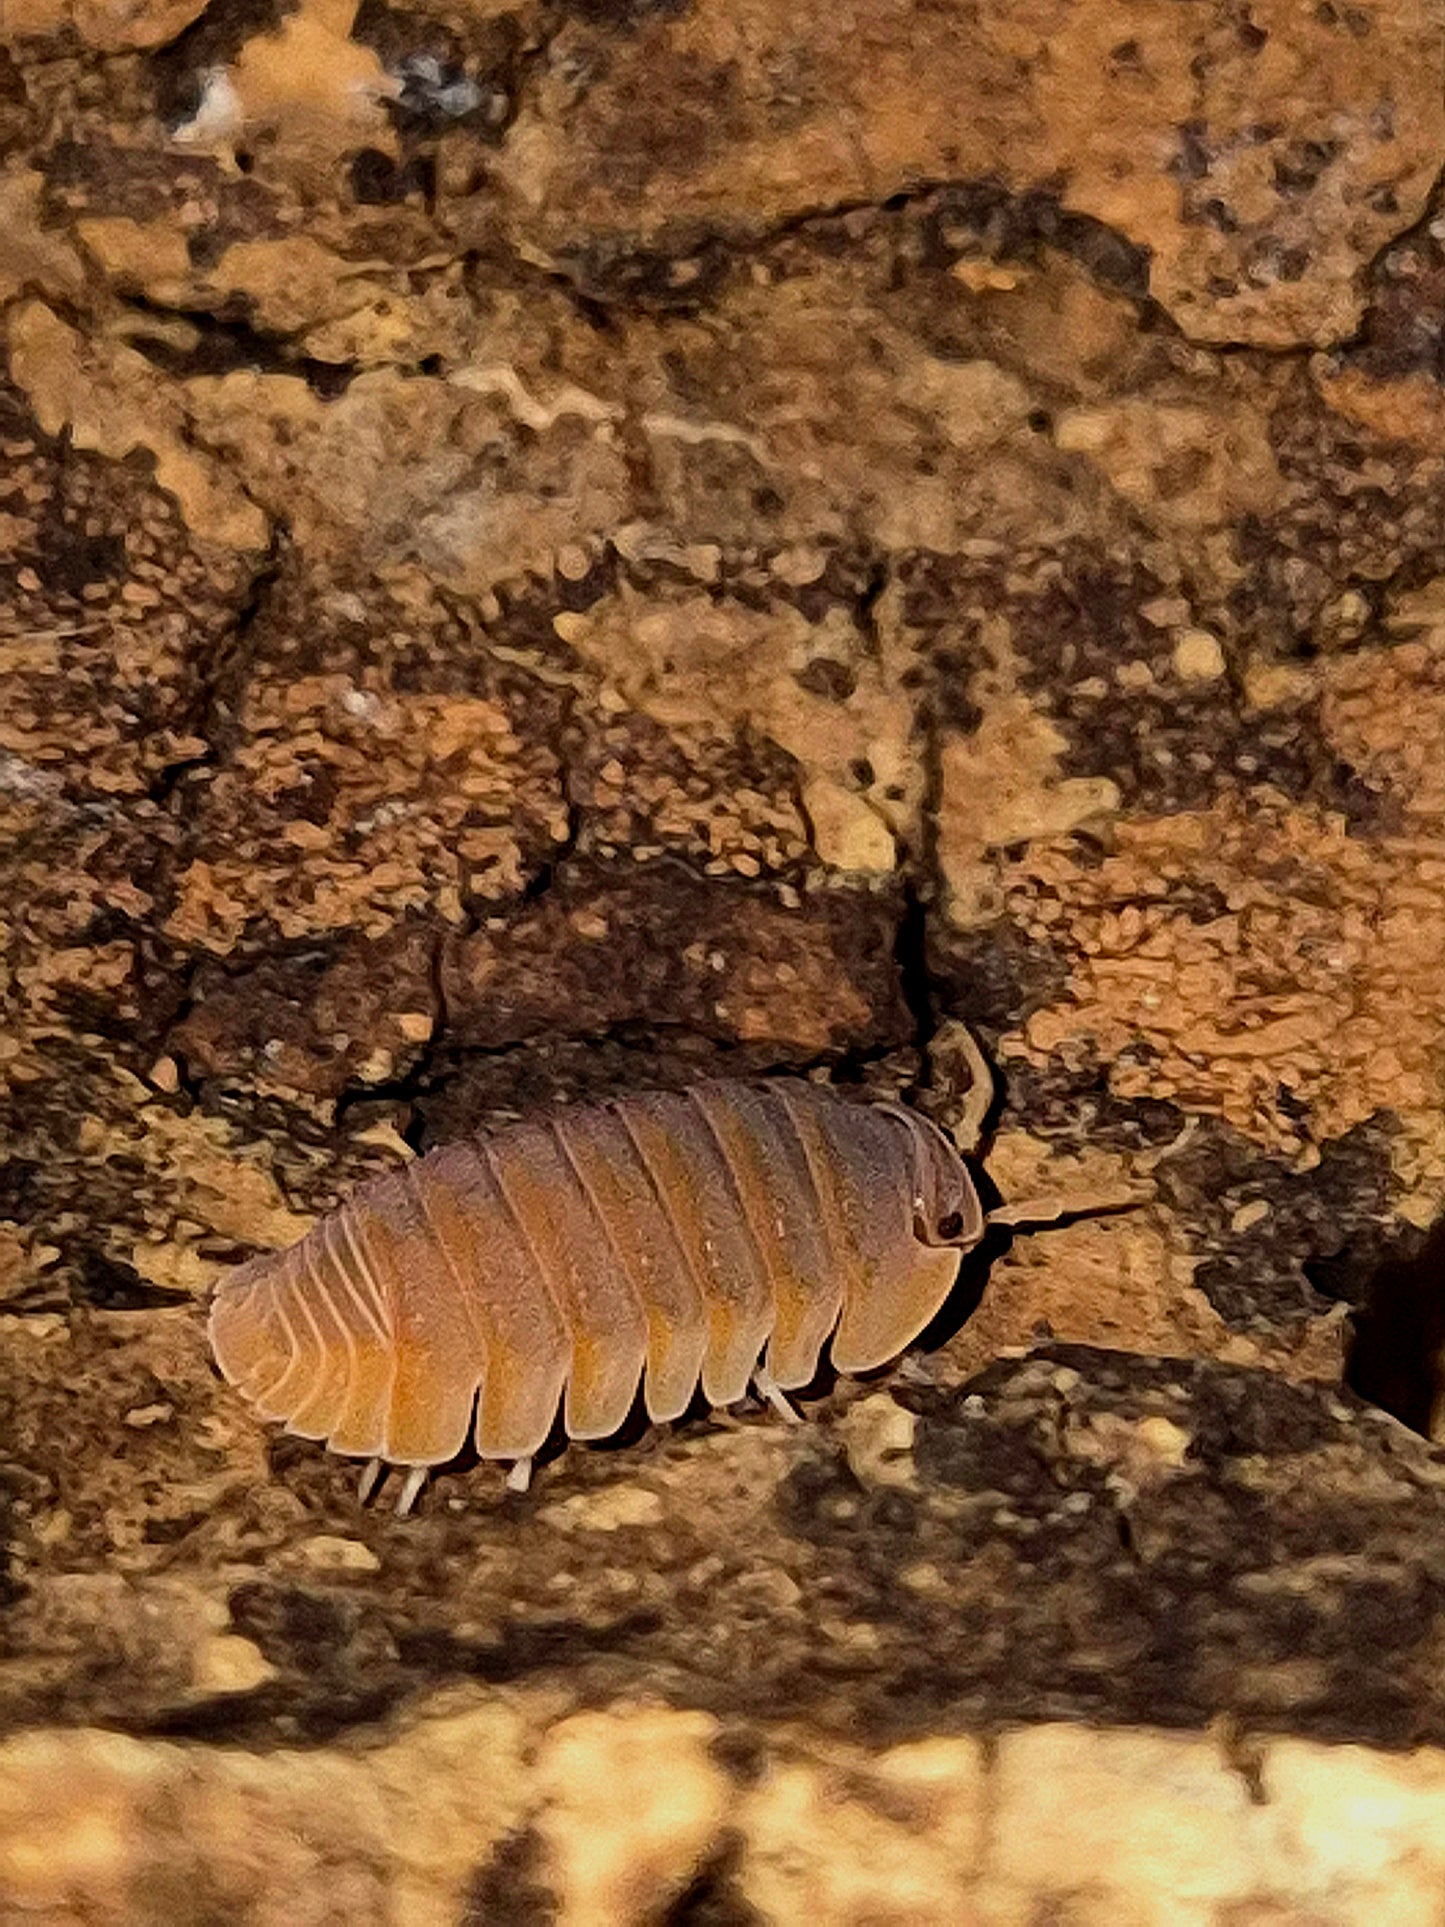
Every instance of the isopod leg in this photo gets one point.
(767, 1387)
(411, 1485)
(369, 1480)
(520, 1476)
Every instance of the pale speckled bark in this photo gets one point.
(552, 548)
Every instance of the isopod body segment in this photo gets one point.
(665, 1239)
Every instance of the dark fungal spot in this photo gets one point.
(1274, 1268)
(679, 275)
(622, 16)
(825, 676)
(509, 1889)
(713, 1897)
(379, 181)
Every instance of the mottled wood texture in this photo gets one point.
(556, 547)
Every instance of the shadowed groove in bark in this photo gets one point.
(1394, 1358)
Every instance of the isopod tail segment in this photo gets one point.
(716, 1238)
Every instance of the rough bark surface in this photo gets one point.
(548, 546)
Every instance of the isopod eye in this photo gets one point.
(949, 1227)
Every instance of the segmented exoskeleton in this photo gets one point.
(720, 1236)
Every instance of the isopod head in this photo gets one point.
(946, 1205)
(919, 1241)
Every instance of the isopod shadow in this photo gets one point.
(968, 1288)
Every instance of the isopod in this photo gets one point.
(720, 1236)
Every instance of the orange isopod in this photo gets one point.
(719, 1236)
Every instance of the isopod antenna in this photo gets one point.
(955, 1049)
(1045, 1214)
